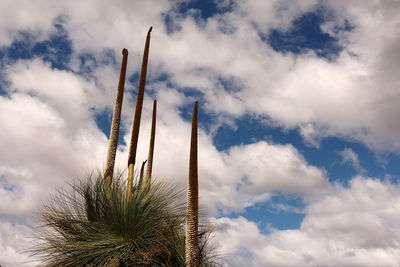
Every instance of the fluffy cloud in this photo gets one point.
(296, 91)
(21, 16)
(47, 119)
(353, 95)
(349, 156)
(273, 14)
(92, 24)
(14, 240)
(352, 226)
(49, 131)
(229, 180)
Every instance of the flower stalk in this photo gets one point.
(137, 116)
(151, 146)
(115, 124)
(141, 174)
(192, 210)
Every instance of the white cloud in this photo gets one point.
(14, 239)
(349, 156)
(338, 97)
(352, 226)
(294, 91)
(273, 14)
(47, 122)
(22, 16)
(229, 180)
(49, 134)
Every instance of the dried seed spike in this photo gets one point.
(192, 210)
(114, 131)
(137, 116)
(151, 146)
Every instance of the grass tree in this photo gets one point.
(151, 146)
(88, 226)
(114, 131)
(192, 210)
(95, 224)
(137, 116)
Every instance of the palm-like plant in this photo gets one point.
(90, 227)
(105, 222)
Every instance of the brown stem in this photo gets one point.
(151, 146)
(141, 173)
(137, 116)
(114, 131)
(192, 210)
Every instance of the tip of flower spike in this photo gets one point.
(124, 51)
(151, 27)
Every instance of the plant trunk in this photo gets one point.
(192, 210)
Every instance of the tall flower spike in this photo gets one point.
(114, 131)
(192, 210)
(138, 113)
(151, 146)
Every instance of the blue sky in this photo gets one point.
(299, 133)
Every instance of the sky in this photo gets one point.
(299, 134)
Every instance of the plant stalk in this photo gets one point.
(114, 131)
(151, 146)
(141, 173)
(192, 210)
(137, 116)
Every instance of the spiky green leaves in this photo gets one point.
(86, 226)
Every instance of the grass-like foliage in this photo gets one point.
(88, 226)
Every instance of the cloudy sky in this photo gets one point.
(299, 135)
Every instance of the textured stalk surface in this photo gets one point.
(114, 131)
(130, 180)
(138, 111)
(192, 210)
(151, 146)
